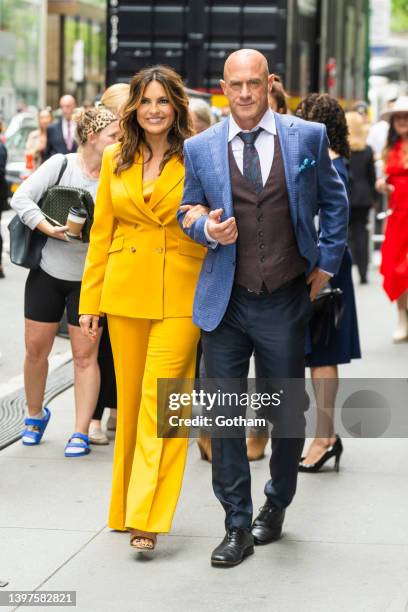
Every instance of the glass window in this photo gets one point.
(20, 35)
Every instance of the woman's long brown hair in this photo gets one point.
(392, 139)
(133, 136)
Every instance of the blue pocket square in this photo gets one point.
(307, 163)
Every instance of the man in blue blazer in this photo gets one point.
(254, 184)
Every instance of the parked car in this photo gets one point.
(16, 138)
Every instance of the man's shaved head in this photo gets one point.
(245, 57)
(246, 84)
(67, 106)
(67, 99)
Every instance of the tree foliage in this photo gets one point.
(400, 15)
(100, 3)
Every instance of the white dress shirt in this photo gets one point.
(377, 137)
(264, 144)
(68, 133)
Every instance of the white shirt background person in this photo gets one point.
(68, 129)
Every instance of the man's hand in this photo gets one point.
(317, 279)
(193, 213)
(89, 326)
(224, 232)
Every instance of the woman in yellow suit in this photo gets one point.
(141, 271)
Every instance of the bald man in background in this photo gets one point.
(60, 135)
(253, 185)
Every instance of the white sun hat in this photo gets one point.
(400, 106)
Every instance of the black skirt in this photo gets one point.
(344, 344)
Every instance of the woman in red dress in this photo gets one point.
(394, 266)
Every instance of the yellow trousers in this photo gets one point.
(147, 470)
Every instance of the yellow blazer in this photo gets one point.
(139, 262)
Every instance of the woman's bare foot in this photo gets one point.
(142, 540)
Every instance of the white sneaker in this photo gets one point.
(111, 423)
(401, 333)
(97, 436)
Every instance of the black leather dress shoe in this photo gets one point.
(267, 527)
(237, 544)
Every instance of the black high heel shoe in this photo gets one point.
(334, 450)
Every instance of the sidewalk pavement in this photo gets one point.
(12, 322)
(345, 545)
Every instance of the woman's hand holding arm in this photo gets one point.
(193, 213)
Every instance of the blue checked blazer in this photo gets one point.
(313, 185)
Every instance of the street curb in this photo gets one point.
(13, 405)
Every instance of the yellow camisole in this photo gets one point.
(148, 188)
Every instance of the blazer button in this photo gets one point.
(133, 249)
(159, 250)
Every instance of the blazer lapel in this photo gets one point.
(219, 151)
(289, 141)
(132, 179)
(172, 174)
(59, 135)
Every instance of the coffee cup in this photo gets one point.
(75, 221)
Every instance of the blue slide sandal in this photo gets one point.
(40, 424)
(84, 445)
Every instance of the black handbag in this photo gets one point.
(57, 201)
(26, 244)
(328, 309)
